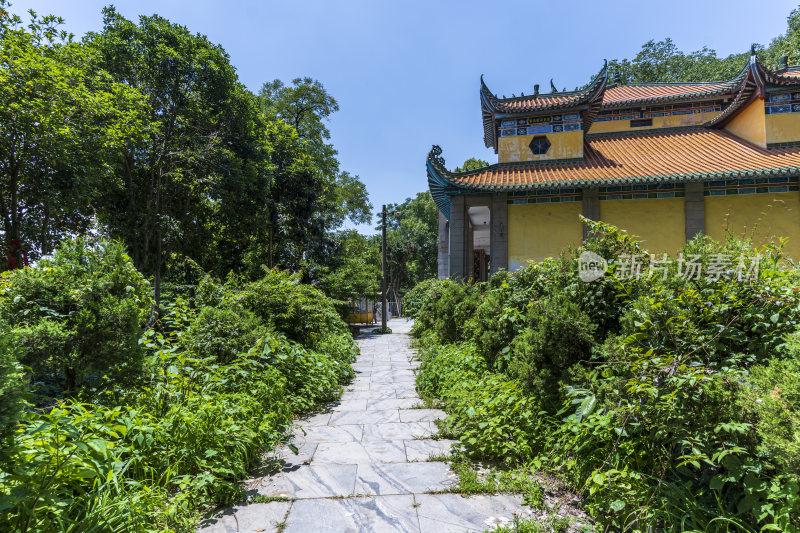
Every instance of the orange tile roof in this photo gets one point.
(690, 154)
(624, 94)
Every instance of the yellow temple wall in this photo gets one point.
(749, 124)
(783, 128)
(763, 217)
(658, 122)
(659, 222)
(564, 145)
(538, 231)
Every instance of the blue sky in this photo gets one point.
(406, 73)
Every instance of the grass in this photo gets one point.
(262, 498)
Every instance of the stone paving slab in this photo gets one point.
(445, 513)
(404, 478)
(314, 481)
(423, 449)
(366, 417)
(365, 452)
(421, 415)
(399, 431)
(255, 517)
(343, 433)
(380, 514)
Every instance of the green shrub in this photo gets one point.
(223, 332)
(78, 315)
(776, 398)
(669, 403)
(13, 380)
(559, 335)
(445, 310)
(413, 299)
(220, 387)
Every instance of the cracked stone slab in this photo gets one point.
(262, 517)
(340, 433)
(404, 478)
(441, 513)
(421, 415)
(393, 403)
(398, 431)
(423, 449)
(315, 481)
(379, 514)
(364, 417)
(368, 452)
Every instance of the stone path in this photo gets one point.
(362, 464)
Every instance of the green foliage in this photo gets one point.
(220, 385)
(444, 310)
(223, 332)
(356, 273)
(558, 335)
(411, 241)
(775, 395)
(667, 401)
(62, 119)
(78, 315)
(472, 164)
(13, 380)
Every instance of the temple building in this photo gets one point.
(663, 161)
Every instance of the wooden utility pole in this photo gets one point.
(383, 269)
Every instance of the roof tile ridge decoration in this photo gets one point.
(714, 88)
(690, 155)
(750, 86)
(539, 102)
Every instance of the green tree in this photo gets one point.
(472, 164)
(60, 116)
(411, 241)
(329, 196)
(166, 190)
(356, 272)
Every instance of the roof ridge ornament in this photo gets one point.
(435, 156)
(552, 87)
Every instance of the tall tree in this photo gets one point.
(311, 210)
(411, 241)
(60, 116)
(164, 196)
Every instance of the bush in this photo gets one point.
(445, 310)
(13, 380)
(78, 315)
(776, 397)
(558, 336)
(220, 386)
(413, 299)
(223, 332)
